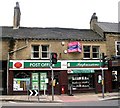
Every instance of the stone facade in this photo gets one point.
(55, 46)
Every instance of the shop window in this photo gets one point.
(118, 48)
(114, 75)
(86, 51)
(21, 81)
(82, 81)
(40, 52)
(95, 51)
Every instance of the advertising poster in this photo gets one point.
(43, 77)
(21, 84)
(34, 81)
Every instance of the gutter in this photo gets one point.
(8, 59)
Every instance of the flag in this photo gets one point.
(74, 47)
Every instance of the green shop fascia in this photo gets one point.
(61, 65)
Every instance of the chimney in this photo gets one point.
(93, 20)
(17, 14)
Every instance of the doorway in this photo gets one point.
(115, 81)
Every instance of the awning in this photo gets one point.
(83, 71)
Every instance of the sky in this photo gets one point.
(59, 13)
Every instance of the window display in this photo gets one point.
(21, 84)
(43, 77)
(80, 81)
(21, 81)
(35, 81)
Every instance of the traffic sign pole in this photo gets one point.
(52, 77)
(102, 76)
(102, 83)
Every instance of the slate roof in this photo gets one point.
(50, 33)
(109, 27)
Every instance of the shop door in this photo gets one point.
(115, 80)
(57, 82)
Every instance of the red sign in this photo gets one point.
(18, 64)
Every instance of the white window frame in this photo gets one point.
(48, 53)
(86, 52)
(91, 51)
(96, 52)
(40, 51)
(34, 51)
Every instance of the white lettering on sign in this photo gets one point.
(45, 64)
(39, 64)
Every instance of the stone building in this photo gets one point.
(26, 58)
(111, 33)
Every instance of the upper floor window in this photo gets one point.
(117, 48)
(44, 51)
(95, 51)
(86, 50)
(91, 52)
(40, 52)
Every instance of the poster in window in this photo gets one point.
(43, 77)
(21, 84)
(34, 76)
(34, 81)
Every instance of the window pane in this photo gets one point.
(44, 48)
(95, 51)
(35, 48)
(35, 51)
(86, 48)
(86, 55)
(86, 51)
(44, 55)
(95, 55)
(45, 51)
(36, 55)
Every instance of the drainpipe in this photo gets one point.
(8, 58)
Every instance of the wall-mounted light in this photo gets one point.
(65, 51)
(62, 43)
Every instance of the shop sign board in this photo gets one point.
(40, 65)
(30, 64)
(82, 64)
(83, 71)
(61, 64)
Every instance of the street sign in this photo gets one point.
(33, 92)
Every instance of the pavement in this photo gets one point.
(79, 97)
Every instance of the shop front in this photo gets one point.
(86, 76)
(32, 74)
(36, 74)
(115, 68)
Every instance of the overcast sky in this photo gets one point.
(59, 13)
